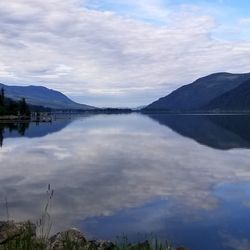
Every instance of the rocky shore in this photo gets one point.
(22, 235)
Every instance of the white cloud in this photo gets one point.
(244, 21)
(147, 10)
(67, 46)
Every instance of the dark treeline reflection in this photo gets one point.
(216, 131)
(32, 129)
(20, 128)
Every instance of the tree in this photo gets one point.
(2, 97)
(1, 137)
(23, 107)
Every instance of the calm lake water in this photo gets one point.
(183, 178)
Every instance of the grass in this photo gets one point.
(28, 242)
(24, 241)
(44, 224)
(28, 239)
(151, 243)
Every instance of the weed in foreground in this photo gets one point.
(38, 239)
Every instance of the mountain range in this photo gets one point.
(237, 99)
(216, 93)
(219, 92)
(42, 96)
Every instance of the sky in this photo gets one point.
(121, 53)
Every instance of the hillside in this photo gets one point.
(237, 99)
(195, 96)
(42, 96)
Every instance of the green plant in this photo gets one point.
(44, 224)
(30, 238)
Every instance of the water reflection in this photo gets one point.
(19, 127)
(216, 131)
(127, 173)
(33, 129)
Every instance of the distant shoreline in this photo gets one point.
(195, 112)
(24, 119)
(15, 118)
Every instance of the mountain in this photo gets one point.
(42, 96)
(195, 96)
(237, 99)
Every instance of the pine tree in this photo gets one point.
(2, 97)
(23, 107)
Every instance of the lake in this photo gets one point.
(184, 178)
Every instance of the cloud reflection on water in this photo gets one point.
(102, 164)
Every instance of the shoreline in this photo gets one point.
(14, 118)
(29, 236)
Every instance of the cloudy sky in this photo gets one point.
(121, 52)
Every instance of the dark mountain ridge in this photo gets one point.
(195, 96)
(235, 100)
(42, 96)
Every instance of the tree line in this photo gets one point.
(11, 107)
